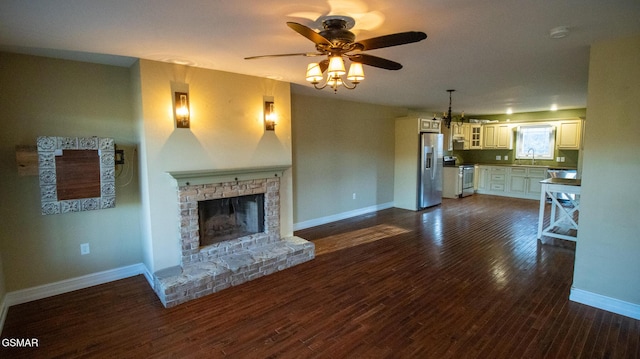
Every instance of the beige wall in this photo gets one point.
(227, 131)
(42, 96)
(341, 148)
(608, 247)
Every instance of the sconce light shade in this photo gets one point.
(182, 109)
(270, 116)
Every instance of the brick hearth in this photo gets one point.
(209, 269)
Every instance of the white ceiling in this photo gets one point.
(496, 53)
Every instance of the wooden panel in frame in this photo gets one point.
(76, 174)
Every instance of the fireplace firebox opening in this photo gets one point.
(224, 219)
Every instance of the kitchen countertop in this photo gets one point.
(563, 181)
(521, 165)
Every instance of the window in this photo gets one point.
(535, 141)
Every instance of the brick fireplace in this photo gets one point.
(206, 269)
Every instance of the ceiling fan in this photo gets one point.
(336, 41)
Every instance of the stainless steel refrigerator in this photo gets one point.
(431, 162)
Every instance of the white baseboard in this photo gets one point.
(609, 304)
(340, 216)
(68, 285)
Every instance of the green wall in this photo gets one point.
(489, 156)
(41, 96)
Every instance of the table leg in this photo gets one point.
(543, 195)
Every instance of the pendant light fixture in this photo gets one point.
(446, 116)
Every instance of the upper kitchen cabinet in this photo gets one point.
(497, 136)
(475, 136)
(569, 135)
(459, 134)
(459, 130)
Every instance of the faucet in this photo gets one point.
(533, 156)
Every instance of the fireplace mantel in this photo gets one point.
(186, 178)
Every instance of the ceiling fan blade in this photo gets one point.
(305, 54)
(400, 38)
(324, 65)
(308, 33)
(375, 61)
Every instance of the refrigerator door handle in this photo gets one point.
(427, 159)
(433, 160)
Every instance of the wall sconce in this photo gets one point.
(181, 106)
(270, 116)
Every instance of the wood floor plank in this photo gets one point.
(466, 279)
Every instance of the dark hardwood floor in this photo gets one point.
(466, 279)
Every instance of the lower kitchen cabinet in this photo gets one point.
(517, 181)
(525, 181)
(451, 182)
(491, 179)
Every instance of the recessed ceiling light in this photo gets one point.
(559, 32)
(509, 111)
(274, 77)
(554, 107)
(180, 61)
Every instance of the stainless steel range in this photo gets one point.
(466, 180)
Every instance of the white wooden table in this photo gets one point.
(564, 215)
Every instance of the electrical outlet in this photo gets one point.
(354, 195)
(557, 159)
(506, 158)
(84, 248)
(498, 158)
(561, 159)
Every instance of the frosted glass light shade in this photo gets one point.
(336, 66)
(334, 82)
(356, 72)
(314, 74)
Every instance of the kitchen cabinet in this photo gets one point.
(511, 181)
(460, 130)
(569, 135)
(459, 136)
(481, 177)
(497, 179)
(525, 181)
(491, 179)
(451, 182)
(466, 136)
(475, 136)
(429, 125)
(496, 136)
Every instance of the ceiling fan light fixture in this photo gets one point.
(336, 42)
(356, 72)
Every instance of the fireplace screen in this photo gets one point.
(225, 219)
